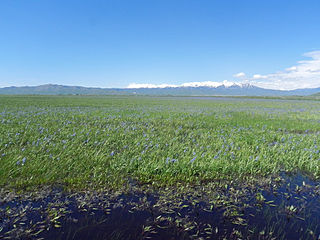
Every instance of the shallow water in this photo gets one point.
(245, 99)
(288, 210)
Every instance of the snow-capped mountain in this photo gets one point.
(210, 84)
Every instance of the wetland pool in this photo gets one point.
(287, 207)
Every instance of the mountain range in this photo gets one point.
(235, 89)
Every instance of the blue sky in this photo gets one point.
(273, 44)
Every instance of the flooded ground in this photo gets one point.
(286, 207)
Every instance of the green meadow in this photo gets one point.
(105, 142)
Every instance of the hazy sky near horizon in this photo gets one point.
(270, 43)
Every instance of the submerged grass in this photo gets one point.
(85, 142)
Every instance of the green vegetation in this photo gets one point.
(107, 142)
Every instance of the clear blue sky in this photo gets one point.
(115, 43)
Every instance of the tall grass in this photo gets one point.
(103, 142)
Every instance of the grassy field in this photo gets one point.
(88, 142)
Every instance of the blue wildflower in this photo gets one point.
(216, 156)
(22, 162)
(193, 159)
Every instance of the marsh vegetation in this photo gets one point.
(171, 167)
